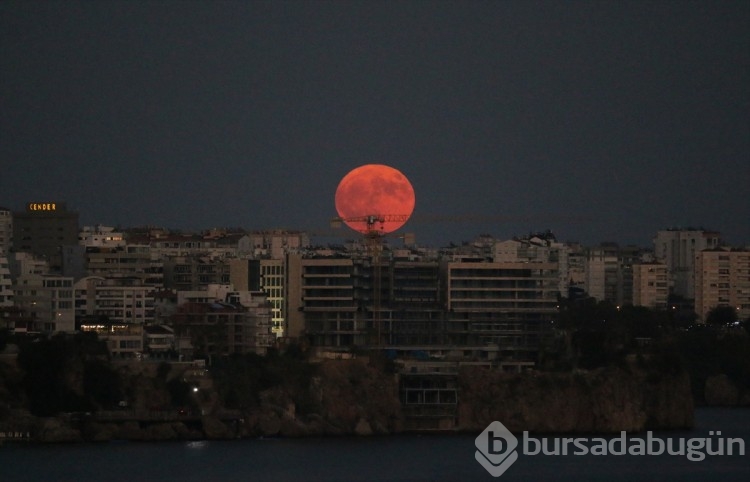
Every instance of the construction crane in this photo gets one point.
(374, 231)
(370, 221)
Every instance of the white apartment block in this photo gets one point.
(24, 264)
(100, 237)
(132, 261)
(272, 283)
(536, 250)
(650, 285)
(47, 299)
(272, 244)
(115, 299)
(213, 293)
(722, 278)
(267, 275)
(602, 266)
(678, 248)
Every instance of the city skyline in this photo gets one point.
(601, 121)
(337, 232)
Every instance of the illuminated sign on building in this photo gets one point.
(41, 207)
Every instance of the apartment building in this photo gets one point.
(321, 301)
(214, 329)
(273, 244)
(678, 248)
(100, 237)
(48, 300)
(6, 230)
(464, 310)
(43, 228)
(537, 248)
(722, 278)
(122, 301)
(6, 283)
(272, 281)
(195, 272)
(123, 340)
(130, 261)
(650, 285)
(499, 310)
(602, 271)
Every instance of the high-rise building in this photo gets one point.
(537, 248)
(602, 272)
(272, 283)
(650, 286)
(218, 328)
(131, 261)
(6, 285)
(476, 310)
(48, 299)
(677, 248)
(43, 229)
(321, 301)
(119, 300)
(609, 272)
(722, 278)
(100, 237)
(272, 244)
(6, 230)
(26, 264)
(500, 309)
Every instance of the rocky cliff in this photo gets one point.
(344, 397)
(603, 400)
(353, 397)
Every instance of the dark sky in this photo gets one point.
(599, 120)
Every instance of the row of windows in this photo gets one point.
(501, 273)
(57, 283)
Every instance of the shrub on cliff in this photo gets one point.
(67, 374)
(241, 378)
(708, 352)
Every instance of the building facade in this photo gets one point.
(678, 248)
(6, 230)
(121, 301)
(43, 228)
(216, 329)
(722, 278)
(48, 300)
(500, 309)
(6, 284)
(131, 261)
(602, 272)
(650, 285)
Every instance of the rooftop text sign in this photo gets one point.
(41, 207)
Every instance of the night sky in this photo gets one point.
(603, 121)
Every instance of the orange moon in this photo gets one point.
(374, 190)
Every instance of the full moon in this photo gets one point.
(375, 190)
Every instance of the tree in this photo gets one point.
(4, 337)
(68, 374)
(721, 316)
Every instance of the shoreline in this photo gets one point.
(27, 438)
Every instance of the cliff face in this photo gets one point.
(604, 400)
(721, 391)
(352, 397)
(345, 397)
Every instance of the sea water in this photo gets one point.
(409, 457)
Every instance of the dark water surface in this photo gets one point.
(396, 458)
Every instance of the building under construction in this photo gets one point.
(496, 312)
